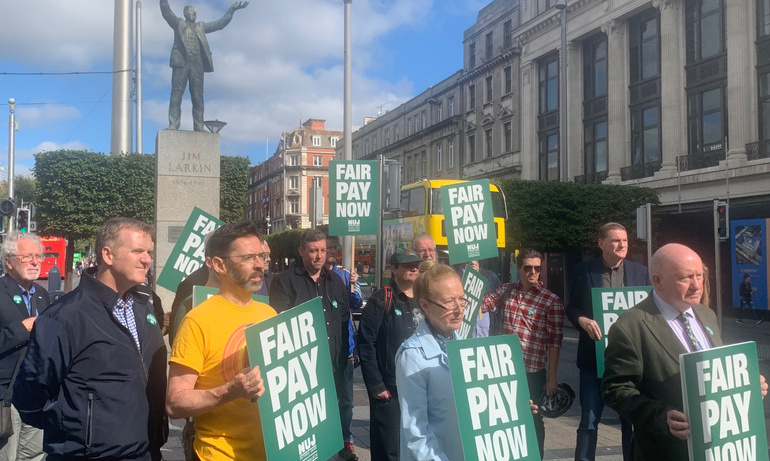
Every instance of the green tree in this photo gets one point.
(555, 216)
(284, 245)
(133, 177)
(233, 184)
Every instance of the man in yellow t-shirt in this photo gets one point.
(209, 375)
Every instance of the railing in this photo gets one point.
(642, 170)
(699, 160)
(591, 178)
(758, 150)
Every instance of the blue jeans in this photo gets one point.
(345, 400)
(591, 408)
(750, 305)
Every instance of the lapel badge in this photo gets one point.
(151, 319)
(709, 330)
(17, 299)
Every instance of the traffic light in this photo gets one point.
(723, 220)
(22, 219)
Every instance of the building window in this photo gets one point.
(706, 120)
(549, 157)
(409, 126)
(316, 141)
(548, 84)
(488, 143)
(763, 18)
(294, 205)
(387, 136)
(293, 182)
(317, 160)
(424, 157)
(645, 135)
(438, 157)
(507, 34)
(472, 97)
(396, 133)
(471, 149)
(293, 160)
(472, 55)
(488, 85)
(507, 76)
(423, 120)
(645, 49)
(705, 29)
(440, 111)
(451, 154)
(488, 46)
(595, 58)
(416, 124)
(451, 106)
(334, 141)
(764, 105)
(508, 134)
(596, 148)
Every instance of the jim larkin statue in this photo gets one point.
(190, 58)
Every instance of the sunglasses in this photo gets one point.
(531, 268)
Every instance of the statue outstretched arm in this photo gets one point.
(168, 15)
(222, 23)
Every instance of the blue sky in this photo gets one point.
(276, 63)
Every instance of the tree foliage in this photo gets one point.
(233, 185)
(556, 216)
(284, 245)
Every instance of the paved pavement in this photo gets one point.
(560, 432)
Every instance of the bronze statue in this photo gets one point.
(190, 58)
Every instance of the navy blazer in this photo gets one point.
(13, 335)
(587, 275)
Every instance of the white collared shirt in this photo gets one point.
(671, 314)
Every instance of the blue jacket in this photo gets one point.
(429, 426)
(85, 383)
(585, 276)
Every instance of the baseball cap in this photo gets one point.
(404, 257)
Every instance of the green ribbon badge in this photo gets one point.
(151, 319)
(709, 330)
(334, 304)
(17, 299)
(397, 311)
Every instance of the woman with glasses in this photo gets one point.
(429, 427)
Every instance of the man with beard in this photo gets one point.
(209, 377)
(309, 279)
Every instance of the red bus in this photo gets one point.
(55, 250)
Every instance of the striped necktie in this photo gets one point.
(688, 329)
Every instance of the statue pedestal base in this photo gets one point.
(186, 176)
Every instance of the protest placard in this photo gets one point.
(723, 402)
(299, 411)
(354, 197)
(469, 221)
(474, 286)
(492, 398)
(187, 255)
(608, 304)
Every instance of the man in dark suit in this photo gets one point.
(642, 380)
(190, 58)
(20, 301)
(609, 270)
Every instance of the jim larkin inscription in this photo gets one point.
(189, 162)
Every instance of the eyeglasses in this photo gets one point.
(29, 257)
(250, 258)
(454, 303)
(531, 268)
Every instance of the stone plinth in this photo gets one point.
(186, 176)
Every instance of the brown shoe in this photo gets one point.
(348, 453)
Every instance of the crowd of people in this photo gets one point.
(89, 376)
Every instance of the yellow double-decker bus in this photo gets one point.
(420, 212)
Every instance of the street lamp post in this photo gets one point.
(561, 5)
(347, 119)
(11, 151)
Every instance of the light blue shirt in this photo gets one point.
(671, 314)
(429, 427)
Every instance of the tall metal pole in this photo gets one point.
(563, 142)
(120, 139)
(347, 134)
(11, 152)
(717, 264)
(138, 83)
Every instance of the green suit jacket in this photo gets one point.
(642, 379)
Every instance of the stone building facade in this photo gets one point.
(279, 193)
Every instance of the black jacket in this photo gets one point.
(381, 331)
(84, 382)
(13, 335)
(294, 286)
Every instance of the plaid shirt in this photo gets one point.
(124, 313)
(536, 315)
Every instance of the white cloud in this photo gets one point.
(34, 116)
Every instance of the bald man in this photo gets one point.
(641, 363)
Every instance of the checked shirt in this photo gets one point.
(536, 315)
